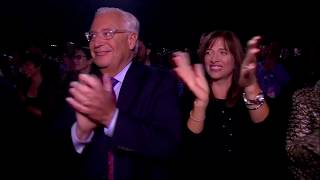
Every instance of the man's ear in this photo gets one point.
(132, 40)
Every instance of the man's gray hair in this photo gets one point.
(131, 22)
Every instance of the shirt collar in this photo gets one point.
(121, 75)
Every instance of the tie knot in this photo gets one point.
(114, 81)
(106, 78)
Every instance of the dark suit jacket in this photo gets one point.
(147, 132)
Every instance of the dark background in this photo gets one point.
(164, 23)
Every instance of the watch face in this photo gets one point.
(260, 97)
(258, 100)
(253, 104)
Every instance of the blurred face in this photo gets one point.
(67, 62)
(219, 62)
(111, 55)
(80, 61)
(30, 69)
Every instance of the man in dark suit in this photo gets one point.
(127, 123)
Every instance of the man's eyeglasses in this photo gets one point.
(106, 34)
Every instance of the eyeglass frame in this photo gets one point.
(111, 32)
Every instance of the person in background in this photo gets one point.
(30, 91)
(272, 76)
(303, 135)
(82, 60)
(303, 132)
(82, 64)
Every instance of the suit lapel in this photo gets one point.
(130, 87)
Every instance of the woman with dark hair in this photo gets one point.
(32, 92)
(221, 138)
(30, 89)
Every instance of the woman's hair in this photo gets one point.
(34, 58)
(232, 43)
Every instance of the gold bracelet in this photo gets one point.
(194, 119)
